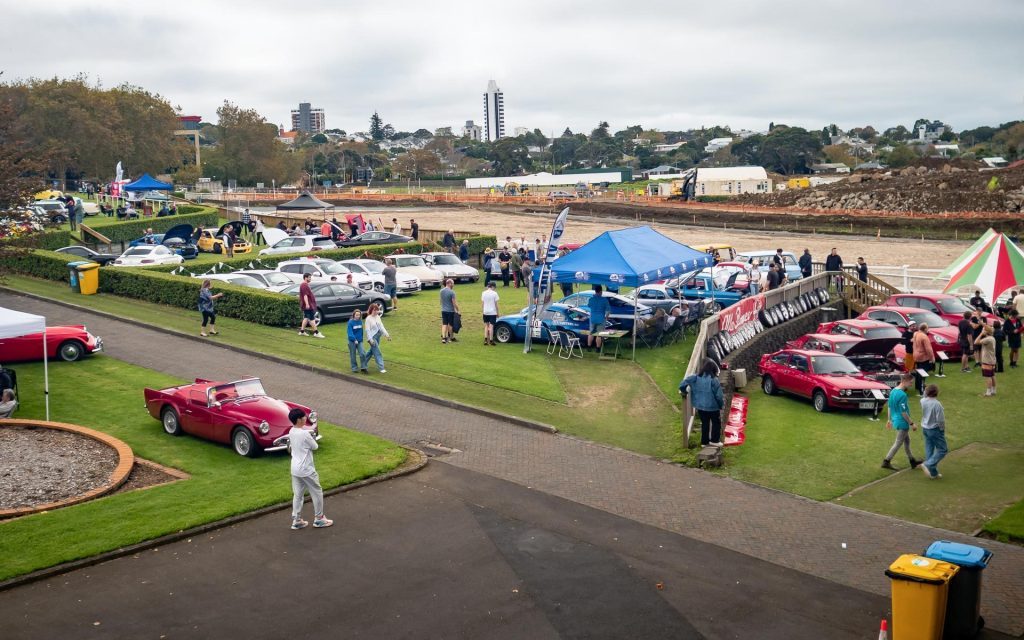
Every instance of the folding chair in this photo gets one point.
(674, 333)
(651, 336)
(568, 345)
(553, 343)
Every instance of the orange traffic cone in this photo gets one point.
(883, 631)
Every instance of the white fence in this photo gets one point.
(910, 280)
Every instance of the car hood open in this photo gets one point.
(274, 235)
(873, 346)
(234, 224)
(183, 231)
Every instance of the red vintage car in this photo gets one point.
(949, 307)
(829, 380)
(859, 328)
(873, 356)
(68, 343)
(238, 413)
(942, 335)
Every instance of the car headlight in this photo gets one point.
(941, 340)
(845, 392)
(264, 427)
(313, 417)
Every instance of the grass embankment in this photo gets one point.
(222, 483)
(609, 402)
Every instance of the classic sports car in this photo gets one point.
(620, 307)
(943, 337)
(238, 413)
(859, 328)
(178, 239)
(949, 307)
(450, 265)
(828, 379)
(871, 356)
(417, 267)
(68, 343)
(212, 240)
(716, 296)
(557, 317)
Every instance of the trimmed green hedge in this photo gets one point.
(40, 263)
(187, 209)
(133, 229)
(44, 240)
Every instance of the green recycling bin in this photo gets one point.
(73, 278)
(963, 605)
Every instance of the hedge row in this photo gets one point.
(46, 240)
(40, 263)
(133, 229)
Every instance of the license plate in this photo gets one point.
(892, 383)
(866, 405)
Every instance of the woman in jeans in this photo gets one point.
(206, 307)
(708, 400)
(374, 327)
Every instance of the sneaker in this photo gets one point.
(888, 465)
(927, 471)
(383, 370)
(364, 370)
(453, 339)
(965, 370)
(303, 334)
(915, 463)
(299, 524)
(322, 522)
(319, 335)
(444, 340)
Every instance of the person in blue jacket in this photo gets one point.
(356, 354)
(708, 399)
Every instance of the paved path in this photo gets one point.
(790, 531)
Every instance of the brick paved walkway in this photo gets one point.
(790, 531)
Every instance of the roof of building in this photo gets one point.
(830, 165)
(732, 173)
(662, 168)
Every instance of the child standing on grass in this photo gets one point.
(301, 443)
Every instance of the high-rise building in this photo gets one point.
(472, 131)
(494, 112)
(307, 119)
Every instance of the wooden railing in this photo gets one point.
(100, 238)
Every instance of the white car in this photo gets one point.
(450, 265)
(146, 255)
(298, 244)
(240, 279)
(417, 266)
(325, 270)
(272, 280)
(406, 283)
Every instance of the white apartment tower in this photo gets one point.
(494, 112)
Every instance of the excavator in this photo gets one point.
(516, 189)
(683, 188)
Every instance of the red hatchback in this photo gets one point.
(829, 380)
(950, 308)
(870, 329)
(68, 343)
(943, 336)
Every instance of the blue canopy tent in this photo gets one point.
(148, 183)
(628, 257)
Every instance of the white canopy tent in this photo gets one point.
(17, 323)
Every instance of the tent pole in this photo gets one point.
(46, 377)
(636, 302)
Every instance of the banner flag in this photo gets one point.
(542, 289)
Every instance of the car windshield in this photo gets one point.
(326, 243)
(446, 260)
(882, 332)
(372, 267)
(953, 305)
(292, 290)
(274, 278)
(355, 268)
(410, 261)
(142, 251)
(333, 268)
(842, 347)
(832, 365)
(927, 317)
(245, 281)
(240, 389)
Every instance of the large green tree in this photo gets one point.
(510, 157)
(248, 150)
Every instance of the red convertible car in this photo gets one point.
(67, 343)
(238, 413)
(828, 379)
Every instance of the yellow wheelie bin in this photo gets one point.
(920, 587)
(88, 277)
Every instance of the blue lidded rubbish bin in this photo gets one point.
(963, 608)
(73, 278)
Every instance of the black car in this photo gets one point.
(86, 253)
(335, 301)
(374, 237)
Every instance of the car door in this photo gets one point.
(345, 300)
(801, 381)
(196, 417)
(22, 348)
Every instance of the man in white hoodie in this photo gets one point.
(302, 444)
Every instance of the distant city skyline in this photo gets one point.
(740, 63)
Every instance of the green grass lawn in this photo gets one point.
(222, 483)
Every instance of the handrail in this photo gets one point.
(96, 234)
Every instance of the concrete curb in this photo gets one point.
(416, 461)
(450, 404)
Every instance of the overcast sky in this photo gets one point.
(661, 64)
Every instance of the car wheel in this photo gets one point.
(378, 287)
(217, 248)
(768, 386)
(713, 308)
(820, 401)
(243, 443)
(503, 333)
(318, 317)
(169, 418)
(70, 351)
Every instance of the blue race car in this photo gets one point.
(178, 239)
(557, 317)
(702, 287)
(620, 307)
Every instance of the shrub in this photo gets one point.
(54, 239)
(49, 265)
(132, 229)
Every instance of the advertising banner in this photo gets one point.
(739, 314)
